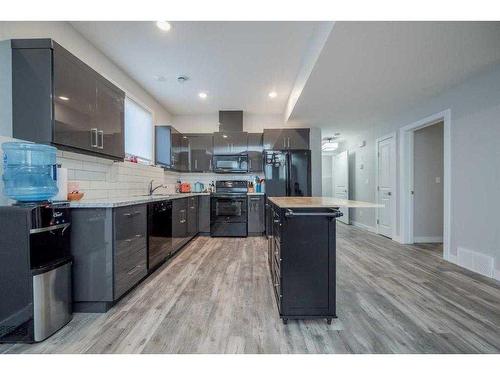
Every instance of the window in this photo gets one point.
(138, 131)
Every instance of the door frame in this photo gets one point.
(406, 164)
(348, 218)
(392, 135)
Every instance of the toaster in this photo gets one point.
(185, 187)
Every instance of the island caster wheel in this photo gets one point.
(329, 321)
(285, 321)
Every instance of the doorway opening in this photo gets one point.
(427, 192)
(425, 182)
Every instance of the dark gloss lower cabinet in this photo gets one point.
(192, 216)
(109, 249)
(179, 223)
(204, 214)
(256, 214)
(302, 260)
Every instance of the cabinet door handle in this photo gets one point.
(210, 164)
(195, 163)
(284, 140)
(93, 137)
(250, 163)
(288, 142)
(133, 270)
(100, 133)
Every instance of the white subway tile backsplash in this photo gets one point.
(89, 175)
(103, 178)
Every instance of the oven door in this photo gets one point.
(230, 163)
(229, 209)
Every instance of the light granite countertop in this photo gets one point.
(320, 202)
(129, 201)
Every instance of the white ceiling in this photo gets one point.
(370, 70)
(236, 63)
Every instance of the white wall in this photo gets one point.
(428, 162)
(64, 34)
(475, 161)
(327, 175)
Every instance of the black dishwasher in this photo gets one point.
(159, 233)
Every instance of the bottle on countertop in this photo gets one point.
(178, 186)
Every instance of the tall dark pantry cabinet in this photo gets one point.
(57, 99)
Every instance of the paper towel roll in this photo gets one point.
(62, 184)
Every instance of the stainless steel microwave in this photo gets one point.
(230, 163)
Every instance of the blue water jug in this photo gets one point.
(29, 171)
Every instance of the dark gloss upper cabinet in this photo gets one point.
(230, 143)
(255, 147)
(180, 151)
(200, 152)
(286, 139)
(58, 99)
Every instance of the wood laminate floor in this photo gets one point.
(216, 297)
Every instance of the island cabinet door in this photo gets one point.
(307, 265)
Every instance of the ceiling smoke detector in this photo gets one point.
(182, 79)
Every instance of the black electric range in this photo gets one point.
(228, 209)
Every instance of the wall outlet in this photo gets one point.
(438, 180)
(361, 166)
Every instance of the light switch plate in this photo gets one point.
(438, 180)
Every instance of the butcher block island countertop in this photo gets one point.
(320, 202)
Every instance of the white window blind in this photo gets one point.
(138, 131)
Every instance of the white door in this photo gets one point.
(341, 181)
(386, 170)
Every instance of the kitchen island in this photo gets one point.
(302, 254)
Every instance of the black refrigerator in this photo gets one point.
(288, 173)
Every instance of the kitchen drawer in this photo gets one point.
(277, 230)
(192, 201)
(130, 221)
(125, 282)
(276, 255)
(128, 247)
(130, 267)
(277, 288)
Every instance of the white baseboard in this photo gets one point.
(422, 239)
(397, 239)
(496, 274)
(363, 226)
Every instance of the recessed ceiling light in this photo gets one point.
(163, 25)
(203, 95)
(65, 98)
(273, 94)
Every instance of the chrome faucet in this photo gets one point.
(151, 189)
